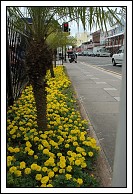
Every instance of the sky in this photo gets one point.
(3, 92)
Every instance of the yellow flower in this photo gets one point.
(31, 152)
(44, 169)
(8, 163)
(35, 157)
(26, 138)
(38, 177)
(49, 185)
(43, 185)
(69, 168)
(29, 124)
(16, 150)
(62, 164)
(79, 181)
(33, 166)
(59, 154)
(45, 151)
(98, 148)
(71, 159)
(55, 169)
(45, 179)
(83, 165)
(12, 131)
(22, 165)
(69, 152)
(36, 139)
(51, 174)
(73, 154)
(61, 171)
(27, 149)
(38, 168)
(68, 176)
(67, 146)
(9, 158)
(13, 136)
(44, 136)
(40, 147)
(77, 162)
(93, 140)
(12, 169)
(82, 138)
(28, 144)
(75, 143)
(90, 154)
(27, 171)
(84, 153)
(18, 135)
(17, 172)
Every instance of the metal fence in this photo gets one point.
(17, 77)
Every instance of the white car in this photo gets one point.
(118, 57)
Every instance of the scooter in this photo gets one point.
(71, 59)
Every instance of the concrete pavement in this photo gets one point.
(99, 93)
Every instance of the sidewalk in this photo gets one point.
(99, 94)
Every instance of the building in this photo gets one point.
(82, 37)
(114, 39)
(96, 37)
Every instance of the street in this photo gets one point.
(99, 92)
(103, 62)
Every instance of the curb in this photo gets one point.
(104, 170)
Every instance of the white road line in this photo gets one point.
(104, 70)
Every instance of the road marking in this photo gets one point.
(101, 83)
(101, 139)
(102, 69)
(109, 88)
(117, 98)
(105, 65)
(108, 71)
(94, 78)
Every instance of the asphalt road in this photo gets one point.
(103, 62)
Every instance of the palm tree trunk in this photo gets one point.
(54, 60)
(40, 95)
(52, 71)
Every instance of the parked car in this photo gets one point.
(90, 52)
(118, 57)
(85, 53)
(80, 54)
(103, 53)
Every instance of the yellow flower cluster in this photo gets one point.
(60, 149)
(36, 167)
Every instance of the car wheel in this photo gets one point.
(113, 62)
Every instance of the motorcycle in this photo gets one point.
(72, 58)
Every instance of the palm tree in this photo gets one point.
(39, 52)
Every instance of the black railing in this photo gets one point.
(17, 77)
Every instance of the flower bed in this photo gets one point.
(61, 156)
